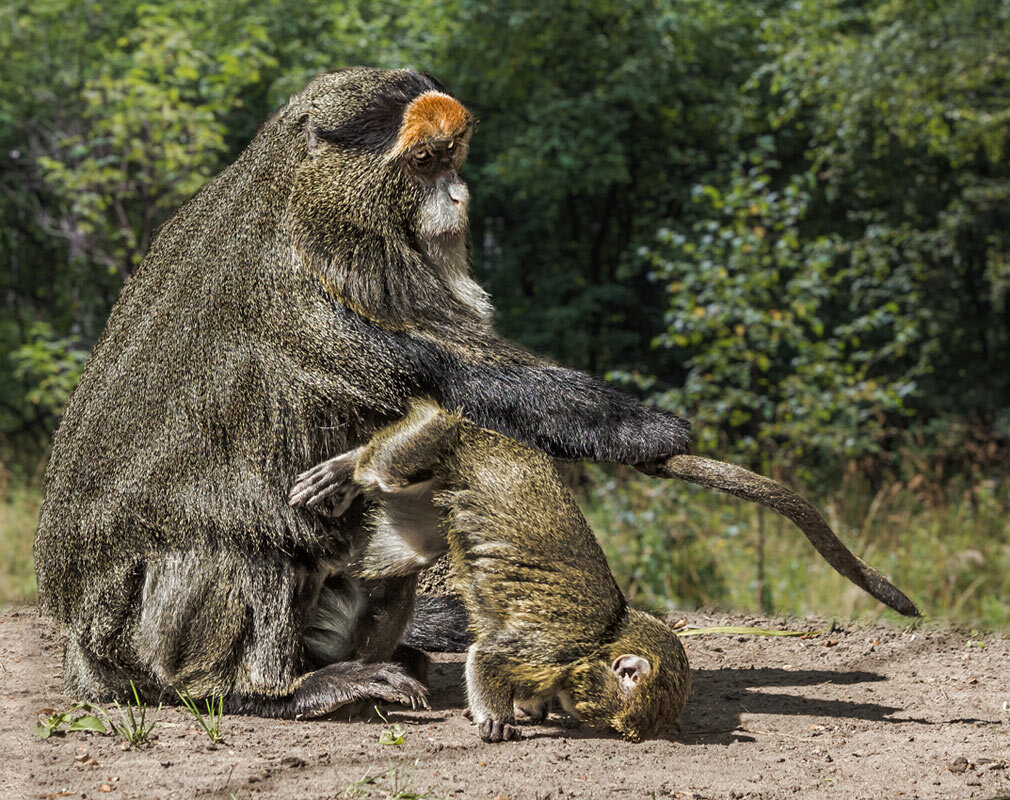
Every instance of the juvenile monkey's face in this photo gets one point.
(638, 685)
(605, 690)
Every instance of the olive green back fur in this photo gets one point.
(523, 553)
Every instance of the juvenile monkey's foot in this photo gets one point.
(334, 476)
(495, 730)
(532, 713)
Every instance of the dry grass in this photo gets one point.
(671, 544)
(675, 545)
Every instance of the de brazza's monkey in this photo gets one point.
(547, 616)
(285, 313)
(293, 306)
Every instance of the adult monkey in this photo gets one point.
(288, 310)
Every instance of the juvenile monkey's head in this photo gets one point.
(384, 150)
(636, 685)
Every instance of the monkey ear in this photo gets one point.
(630, 669)
(312, 135)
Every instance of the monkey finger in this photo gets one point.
(315, 485)
(320, 474)
(321, 494)
(486, 731)
(309, 494)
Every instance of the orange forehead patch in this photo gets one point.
(432, 115)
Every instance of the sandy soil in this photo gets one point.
(865, 712)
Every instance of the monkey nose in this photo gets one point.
(458, 193)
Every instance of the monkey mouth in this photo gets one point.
(445, 229)
(450, 234)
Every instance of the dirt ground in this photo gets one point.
(863, 712)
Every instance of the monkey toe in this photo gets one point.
(495, 730)
(345, 686)
(398, 687)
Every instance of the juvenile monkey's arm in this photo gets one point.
(490, 698)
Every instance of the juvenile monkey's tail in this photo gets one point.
(748, 485)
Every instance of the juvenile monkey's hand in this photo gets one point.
(495, 730)
(333, 476)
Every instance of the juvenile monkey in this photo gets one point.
(546, 614)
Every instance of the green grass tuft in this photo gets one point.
(19, 514)
(132, 727)
(209, 722)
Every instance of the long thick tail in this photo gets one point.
(748, 485)
(439, 624)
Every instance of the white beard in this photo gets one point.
(447, 256)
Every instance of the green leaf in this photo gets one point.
(395, 737)
(88, 722)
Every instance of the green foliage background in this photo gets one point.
(787, 221)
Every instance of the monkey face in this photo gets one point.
(384, 151)
(637, 686)
(442, 210)
(430, 149)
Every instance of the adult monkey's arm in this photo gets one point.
(499, 385)
(748, 485)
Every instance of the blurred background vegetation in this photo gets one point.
(788, 221)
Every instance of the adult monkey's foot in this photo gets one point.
(336, 687)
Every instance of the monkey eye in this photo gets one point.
(422, 156)
(451, 145)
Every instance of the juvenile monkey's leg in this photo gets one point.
(489, 697)
(534, 709)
